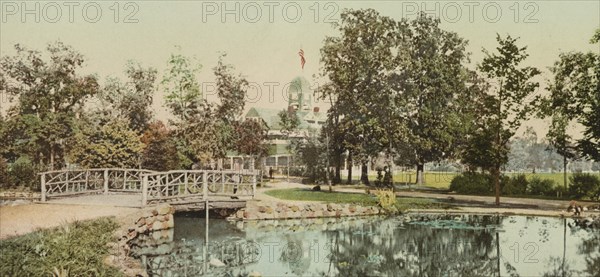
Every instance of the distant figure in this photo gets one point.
(387, 177)
(271, 173)
(236, 180)
(316, 188)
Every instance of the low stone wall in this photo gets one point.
(151, 220)
(281, 210)
(147, 230)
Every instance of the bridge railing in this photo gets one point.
(182, 185)
(96, 180)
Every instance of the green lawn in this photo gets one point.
(324, 196)
(402, 203)
(441, 180)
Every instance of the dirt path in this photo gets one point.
(464, 203)
(23, 219)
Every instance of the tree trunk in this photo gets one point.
(349, 162)
(420, 169)
(51, 157)
(565, 172)
(364, 174)
(338, 168)
(497, 183)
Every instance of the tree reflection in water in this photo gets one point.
(588, 248)
(427, 245)
(442, 247)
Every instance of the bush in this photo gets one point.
(3, 174)
(584, 185)
(78, 248)
(23, 174)
(516, 185)
(472, 183)
(544, 187)
(559, 191)
(386, 200)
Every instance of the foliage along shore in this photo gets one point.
(76, 249)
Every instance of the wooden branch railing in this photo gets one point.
(193, 185)
(96, 180)
(155, 187)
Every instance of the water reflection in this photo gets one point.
(418, 245)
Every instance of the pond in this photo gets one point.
(409, 245)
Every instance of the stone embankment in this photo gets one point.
(150, 230)
(282, 210)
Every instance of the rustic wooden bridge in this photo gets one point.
(184, 188)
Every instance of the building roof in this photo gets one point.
(269, 116)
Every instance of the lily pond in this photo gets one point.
(408, 245)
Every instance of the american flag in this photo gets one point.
(302, 59)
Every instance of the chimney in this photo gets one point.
(316, 109)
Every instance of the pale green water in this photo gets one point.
(434, 245)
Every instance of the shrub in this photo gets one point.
(4, 179)
(386, 200)
(472, 183)
(584, 185)
(543, 187)
(23, 174)
(78, 248)
(559, 191)
(516, 185)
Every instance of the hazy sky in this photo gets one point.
(262, 39)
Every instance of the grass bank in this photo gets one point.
(75, 249)
(402, 203)
(441, 180)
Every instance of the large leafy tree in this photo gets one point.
(181, 87)
(511, 101)
(475, 148)
(160, 151)
(357, 64)
(231, 90)
(113, 145)
(50, 92)
(432, 84)
(131, 100)
(574, 98)
(204, 131)
(250, 138)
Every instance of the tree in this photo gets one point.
(313, 154)
(113, 145)
(50, 93)
(431, 85)
(4, 176)
(289, 122)
(205, 131)
(182, 90)
(589, 145)
(358, 65)
(574, 98)
(231, 90)
(207, 138)
(535, 150)
(131, 100)
(513, 100)
(160, 151)
(250, 137)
